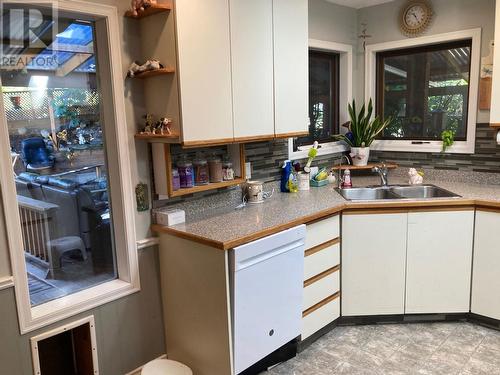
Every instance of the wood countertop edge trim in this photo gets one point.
(346, 208)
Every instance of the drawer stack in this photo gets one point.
(321, 304)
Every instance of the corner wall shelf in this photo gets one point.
(158, 138)
(152, 9)
(154, 73)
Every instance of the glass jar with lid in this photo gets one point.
(201, 173)
(215, 168)
(185, 170)
(227, 169)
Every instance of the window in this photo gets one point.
(323, 98)
(428, 85)
(65, 170)
(425, 89)
(330, 89)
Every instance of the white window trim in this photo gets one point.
(459, 147)
(345, 91)
(121, 190)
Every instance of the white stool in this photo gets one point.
(165, 367)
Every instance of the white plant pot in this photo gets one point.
(360, 156)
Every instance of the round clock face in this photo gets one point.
(415, 17)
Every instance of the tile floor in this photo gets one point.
(397, 349)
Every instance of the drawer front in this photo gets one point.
(321, 289)
(321, 261)
(321, 317)
(322, 231)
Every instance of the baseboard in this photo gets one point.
(400, 318)
(6, 282)
(138, 370)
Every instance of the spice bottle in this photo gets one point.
(215, 168)
(200, 170)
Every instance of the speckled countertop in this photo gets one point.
(225, 227)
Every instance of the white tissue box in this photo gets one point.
(170, 217)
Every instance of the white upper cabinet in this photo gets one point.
(204, 67)
(252, 67)
(439, 261)
(485, 275)
(291, 71)
(373, 264)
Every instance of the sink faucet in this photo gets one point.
(382, 172)
(342, 157)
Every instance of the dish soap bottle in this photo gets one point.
(346, 180)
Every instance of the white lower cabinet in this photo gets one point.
(485, 275)
(373, 263)
(439, 261)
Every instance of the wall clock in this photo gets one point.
(415, 17)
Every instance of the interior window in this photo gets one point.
(323, 98)
(425, 89)
(52, 102)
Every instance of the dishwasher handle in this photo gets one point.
(249, 262)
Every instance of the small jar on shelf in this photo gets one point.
(227, 170)
(185, 170)
(200, 170)
(215, 168)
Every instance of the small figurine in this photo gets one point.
(148, 126)
(163, 126)
(416, 178)
(137, 68)
(137, 6)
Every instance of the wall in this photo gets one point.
(130, 330)
(449, 16)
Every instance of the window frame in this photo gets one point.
(345, 97)
(424, 145)
(334, 59)
(30, 318)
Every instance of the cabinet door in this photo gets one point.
(291, 73)
(373, 264)
(203, 45)
(485, 276)
(252, 67)
(439, 261)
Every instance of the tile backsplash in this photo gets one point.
(485, 159)
(267, 158)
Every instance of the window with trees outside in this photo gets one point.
(323, 98)
(425, 89)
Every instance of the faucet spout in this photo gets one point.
(382, 171)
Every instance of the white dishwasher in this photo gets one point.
(266, 292)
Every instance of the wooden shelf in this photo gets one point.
(153, 9)
(495, 125)
(158, 138)
(155, 73)
(211, 186)
(365, 167)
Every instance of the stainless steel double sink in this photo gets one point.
(396, 192)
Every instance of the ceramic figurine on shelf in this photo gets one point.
(416, 178)
(137, 6)
(138, 68)
(148, 125)
(163, 126)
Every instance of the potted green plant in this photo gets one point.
(363, 129)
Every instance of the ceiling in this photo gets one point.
(359, 3)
